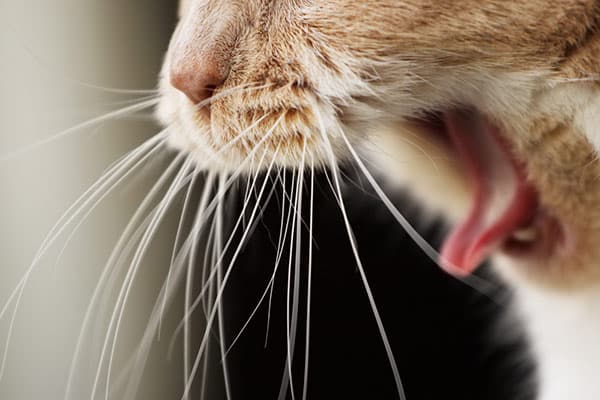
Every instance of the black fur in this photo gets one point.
(439, 328)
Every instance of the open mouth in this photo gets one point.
(505, 212)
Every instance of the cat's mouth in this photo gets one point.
(505, 212)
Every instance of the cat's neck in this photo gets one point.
(565, 334)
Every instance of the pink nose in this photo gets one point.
(198, 79)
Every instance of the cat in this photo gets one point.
(488, 111)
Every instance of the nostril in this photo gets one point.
(198, 81)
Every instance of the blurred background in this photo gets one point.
(56, 55)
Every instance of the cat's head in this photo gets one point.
(487, 109)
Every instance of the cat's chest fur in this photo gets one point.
(564, 330)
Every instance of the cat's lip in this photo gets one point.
(505, 212)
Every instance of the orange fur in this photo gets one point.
(300, 65)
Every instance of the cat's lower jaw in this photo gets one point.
(564, 331)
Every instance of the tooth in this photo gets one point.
(525, 234)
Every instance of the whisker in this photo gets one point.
(248, 87)
(109, 116)
(207, 305)
(220, 315)
(212, 157)
(366, 285)
(56, 73)
(282, 237)
(95, 204)
(227, 275)
(144, 243)
(122, 102)
(246, 195)
(163, 300)
(210, 244)
(309, 283)
(188, 243)
(220, 254)
(178, 234)
(292, 212)
(293, 320)
(105, 180)
(483, 286)
(352, 240)
(213, 203)
(265, 292)
(116, 317)
(195, 235)
(116, 254)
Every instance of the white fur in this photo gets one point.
(422, 167)
(565, 334)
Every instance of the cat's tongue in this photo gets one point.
(502, 201)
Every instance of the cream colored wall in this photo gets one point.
(46, 48)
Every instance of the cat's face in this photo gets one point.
(487, 88)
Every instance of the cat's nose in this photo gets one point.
(198, 79)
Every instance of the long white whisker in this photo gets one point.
(309, 289)
(117, 251)
(207, 304)
(226, 277)
(163, 299)
(109, 116)
(106, 180)
(230, 181)
(178, 235)
(95, 204)
(292, 321)
(367, 287)
(56, 73)
(137, 258)
(110, 178)
(214, 203)
(292, 210)
(116, 317)
(282, 237)
(131, 234)
(219, 305)
(220, 252)
(195, 235)
(265, 292)
(479, 284)
(210, 244)
(241, 135)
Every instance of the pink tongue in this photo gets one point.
(502, 200)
